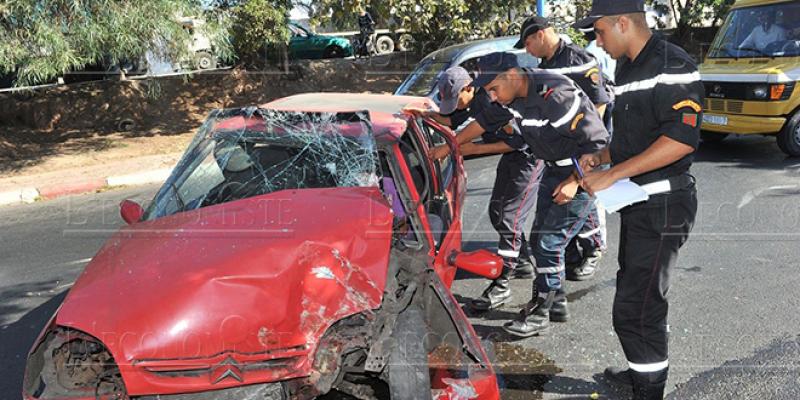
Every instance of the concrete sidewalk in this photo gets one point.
(130, 172)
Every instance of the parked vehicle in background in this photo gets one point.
(751, 73)
(202, 56)
(386, 40)
(305, 44)
(422, 81)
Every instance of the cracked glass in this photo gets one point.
(243, 153)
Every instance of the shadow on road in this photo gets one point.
(747, 152)
(15, 341)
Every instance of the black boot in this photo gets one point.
(587, 268)
(524, 268)
(497, 294)
(649, 385)
(619, 376)
(534, 319)
(559, 311)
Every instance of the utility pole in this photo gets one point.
(540, 7)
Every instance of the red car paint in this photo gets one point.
(258, 280)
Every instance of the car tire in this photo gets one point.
(384, 45)
(789, 136)
(712, 137)
(204, 60)
(409, 375)
(333, 52)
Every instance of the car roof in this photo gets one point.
(478, 47)
(385, 111)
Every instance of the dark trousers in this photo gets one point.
(590, 239)
(651, 235)
(514, 195)
(554, 227)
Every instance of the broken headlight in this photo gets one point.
(71, 364)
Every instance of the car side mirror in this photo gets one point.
(481, 262)
(131, 211)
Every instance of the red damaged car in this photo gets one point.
(302, 249)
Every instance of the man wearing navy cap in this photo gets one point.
(559, 123)
(656, 132)
(516, 181)
(539, 39)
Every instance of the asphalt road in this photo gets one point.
(733, 315)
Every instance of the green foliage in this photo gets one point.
(42, 39)
(258, 25)
(433, 23)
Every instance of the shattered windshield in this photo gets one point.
(243, 153)
(764, 31)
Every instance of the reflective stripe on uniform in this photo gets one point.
(465, 123)
(535, 122)
(508, 253)
(652, 367)
(573, 111)
(573, 70)
(549, 270)
(663, 79)
(586, 235)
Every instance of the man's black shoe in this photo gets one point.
(524, 269)
(619, 376)
(559, 311)
(533, 320)
(587, 269)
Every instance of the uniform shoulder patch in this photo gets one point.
(577, 120)
(689, 119)
(687, 103)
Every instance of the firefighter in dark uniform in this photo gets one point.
(656, 132)
(540, 40)
(559, 124)
(516, 183)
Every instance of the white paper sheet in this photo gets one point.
(620, 195)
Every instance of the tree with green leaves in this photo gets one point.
(43, 39)
(259, 26)
(692, 13)
(433, 23)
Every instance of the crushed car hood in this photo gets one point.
(259, 275)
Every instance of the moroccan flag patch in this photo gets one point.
(690, 119)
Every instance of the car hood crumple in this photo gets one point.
(252, 276)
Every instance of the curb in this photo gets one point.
(29, 194)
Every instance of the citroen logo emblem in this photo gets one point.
(228, 368)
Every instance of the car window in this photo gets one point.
(444, 167)
(423, 80)
(245, 153)
(526, 60)
(297, 31)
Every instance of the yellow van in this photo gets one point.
(751, 73)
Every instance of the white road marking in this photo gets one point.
(751, 195)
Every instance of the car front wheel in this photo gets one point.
(409, 376)
(334, 52)
(789, 137)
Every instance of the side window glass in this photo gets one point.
(526, 60)
(445, 166)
